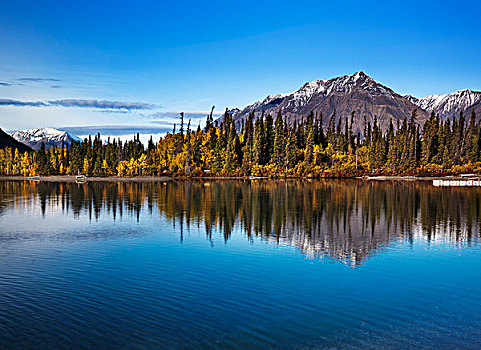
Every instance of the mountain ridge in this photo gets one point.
(339, 97)
(8, 141)
(447, 105)
(49, 136)
(365, 96)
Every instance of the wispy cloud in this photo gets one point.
(38, 80)
(176, 115)
(55, 86)
(116, 130)
(16, 103)
(112, 111)
(166, 119)
(93, 104)
(5, 84)
(102, 104)
(163, 121)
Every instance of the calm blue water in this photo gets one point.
(237, 264)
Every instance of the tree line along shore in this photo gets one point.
(268, 147)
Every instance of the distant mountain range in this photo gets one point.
(342, 95)
(8, 141)
(49, 136)
(363, 95)
(448, 105)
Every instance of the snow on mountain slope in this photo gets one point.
(447, 105)
(357, 92)
(8, 141)
(49, 136)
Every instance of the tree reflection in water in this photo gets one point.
(342, 219)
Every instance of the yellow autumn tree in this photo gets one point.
(122, 168)
(86, 167)
(25, 164)
(105, 168)
(141, 164)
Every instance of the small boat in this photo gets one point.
(81, 179)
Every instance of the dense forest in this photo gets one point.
(270, 146)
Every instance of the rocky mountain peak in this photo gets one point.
(49, 136)
(447, 105)
(356, 92)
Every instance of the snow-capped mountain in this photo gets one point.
(447, 105)
(49, 136)
(357, 92)
(8, 141)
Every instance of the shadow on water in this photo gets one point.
(345, 220)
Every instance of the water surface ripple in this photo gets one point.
(240, 264)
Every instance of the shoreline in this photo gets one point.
(70, 179)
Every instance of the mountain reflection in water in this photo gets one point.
(345, 220)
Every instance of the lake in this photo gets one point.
(240, 264)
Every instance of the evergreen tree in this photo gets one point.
(430, 139)
(322, 137)
(188, 154)
(42, 160)
(231, 156)
(412, 150)
(291, 150)
(447, 159)
(309, 145)
(377, 148)
(210, 120)
(268, 138)
(180, 135)
(219, 153)
(279, 141)
(392, 160)
(248, 153)
(259, 141)
(458, 145)
(471, 143)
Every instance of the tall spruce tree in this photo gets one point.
(291, 150)
(309, 144)
(248, 147)
(259, 141)
(471, 142)
(458, 144)
(279, 141)
(188, 155)
(231, 155)
(268, 138)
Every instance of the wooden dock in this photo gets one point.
(457, 183)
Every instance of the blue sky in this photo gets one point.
(189, 55)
